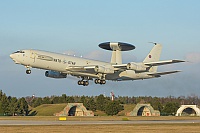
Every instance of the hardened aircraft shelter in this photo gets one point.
(188, 110)
(75, 109)
(144, 110)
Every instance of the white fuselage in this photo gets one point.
(60, 65)
(63, 63)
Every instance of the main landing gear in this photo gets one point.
(100, 81)
(82, 82)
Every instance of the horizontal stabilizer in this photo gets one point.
(158, 74)
(158, 63)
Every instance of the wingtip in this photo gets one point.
(179, 61)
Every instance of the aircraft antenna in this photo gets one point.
(153, 43)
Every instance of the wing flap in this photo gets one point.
(158, 63)
(78, 74)
(80, 68)
(120, 67)
(158, 74)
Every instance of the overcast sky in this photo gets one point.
(77, 27)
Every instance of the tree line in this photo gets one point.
(12, 105)
(166, 105)
(93, 103)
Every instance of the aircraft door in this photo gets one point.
(32, 56)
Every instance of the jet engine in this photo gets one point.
(54, 74)
(104, 69)
(136, 66)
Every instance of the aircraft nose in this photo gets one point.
(11, 56)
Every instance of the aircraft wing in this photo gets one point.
(82, 71)
(158, 74)
(80, 68)
(120, 66)
(90, 68)
(158, 63)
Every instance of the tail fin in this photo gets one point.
(154, 56)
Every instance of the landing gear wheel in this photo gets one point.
(96, 81)
(82, 82)
(86, 83)
(99, 81)
(28, 71)
(79, 82)
(103, 82)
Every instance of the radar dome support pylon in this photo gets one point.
(116, 48)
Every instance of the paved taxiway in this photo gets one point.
(29, 122)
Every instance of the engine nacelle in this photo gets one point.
(136, 67)
(104, 69)
(54, 74)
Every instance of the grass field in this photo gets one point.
(112, 128)
(141, 128)
(96, 118)
(47, 109)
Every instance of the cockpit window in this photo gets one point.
(19, 51)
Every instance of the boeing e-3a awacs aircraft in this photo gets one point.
(61, 65)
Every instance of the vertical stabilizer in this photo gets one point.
(154, 56)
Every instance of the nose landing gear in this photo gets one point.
(28, 71)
